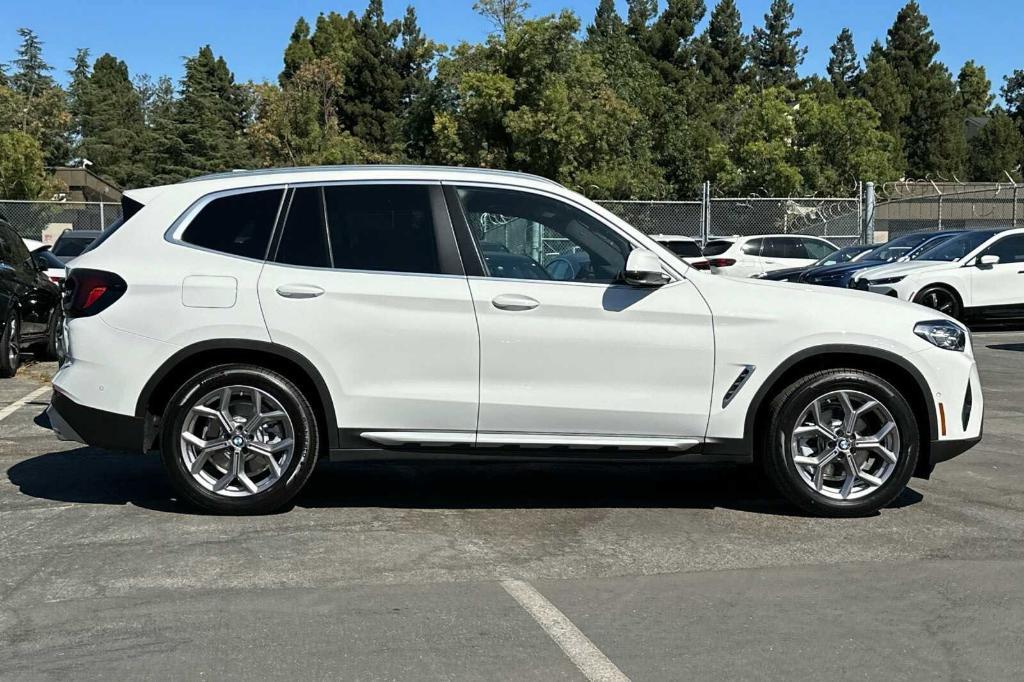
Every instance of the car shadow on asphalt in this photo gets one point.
(92, 476)
(1018, 347)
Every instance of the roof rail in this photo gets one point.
(369, 167)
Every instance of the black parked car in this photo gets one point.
(909, 246)
(844, 255)
(73, 243)
(30, 305)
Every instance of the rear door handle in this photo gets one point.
(514, 302)
(299, 291)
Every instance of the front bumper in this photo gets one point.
(98, 428)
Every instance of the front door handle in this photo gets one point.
(299, 291)
(514, 302)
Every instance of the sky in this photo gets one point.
(154, 36)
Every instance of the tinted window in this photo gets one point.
(893, 249)
(239, 224)
(47, 259)
(304, 240)
(7, 239)
(1009, 249)
(69, 244)
(816, 249)
(754, 247)
(684, 249)
(382, 227)
(20, 257)
(719, 246)
(783, 247)
(545, 231)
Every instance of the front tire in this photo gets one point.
(239, 439)
(941, 299)
(10, 346)
(840, 443)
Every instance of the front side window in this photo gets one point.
(382, 227)
(238, 224)
(753, 248)
(529, 236)
(1009, 249)
(957, 247)
(816, 249)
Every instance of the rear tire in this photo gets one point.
(10, 346)
(239, 439)
(840, 443)
(51, 348)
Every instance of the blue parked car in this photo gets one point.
(907, 247)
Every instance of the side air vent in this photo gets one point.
(738, 384)
(965, 415)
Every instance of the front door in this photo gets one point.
(365, 282)
(566, 351)
(1001, 286)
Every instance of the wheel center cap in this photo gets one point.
(844, 443)
(237, 441)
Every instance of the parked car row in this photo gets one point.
(31, 275)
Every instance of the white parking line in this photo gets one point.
(20, 402)
(581, 651)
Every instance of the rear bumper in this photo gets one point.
(98, 428)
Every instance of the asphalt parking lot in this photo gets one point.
(495, 571)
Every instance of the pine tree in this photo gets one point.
(776, 53)
(669, 39)
(112, 125)
(1013, 94)
(998, 149)
(932, 130)
(724, 50)
(607, 22)
(298, 52)
(881, 87)
(41, 104)
(975, 89)
(210, 116)
(416, 56)
(843, 69)
(639, 15)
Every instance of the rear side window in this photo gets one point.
(684, 249)
(784, 247)
(304, 240)
(717, 247)
(386, 228)
(754, 247)
(238, 224)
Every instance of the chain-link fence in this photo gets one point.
(31, 218)
(909, 207)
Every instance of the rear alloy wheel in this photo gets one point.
(10, 346)
(239, 439)
(842, 443)
(941, 299)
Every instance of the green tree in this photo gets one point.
(880, 86)
(608, 25)
(111, 122)
(997, 149)
(843, 69)
(1013, 94)
(776, 53)
(639, 15)
(975, 89)
(724, 49)
(840, 142)
(298, 52)
(22, 175)
(932, 130)
(39, 107)
(210, 116)
(669, 39)
(506, 15)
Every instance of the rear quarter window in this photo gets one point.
(236, 224)
(717, 247)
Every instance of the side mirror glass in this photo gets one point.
(988, 260)
(643, 269)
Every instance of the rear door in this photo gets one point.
(782, 252)
(365, 281)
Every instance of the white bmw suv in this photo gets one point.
(245, 324)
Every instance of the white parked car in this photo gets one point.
(350, 312)
(686, 248)
(757, 254)
(977, 276)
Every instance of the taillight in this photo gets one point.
(721, 262)
(88, 292)
(700, 265)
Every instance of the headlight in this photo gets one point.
(887, 280)
(943, 334)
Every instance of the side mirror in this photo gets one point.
(988, 260)
(643, 269)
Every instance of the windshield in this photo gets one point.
(841, 256)
(958, 247)
(898, 247)
(717, 247)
